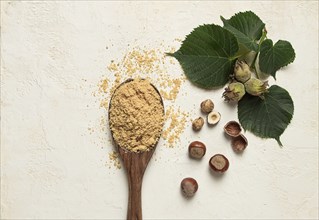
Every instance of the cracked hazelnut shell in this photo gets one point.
(213, 118)
(239, 143)
(232, 128)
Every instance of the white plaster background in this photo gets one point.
(52, 169)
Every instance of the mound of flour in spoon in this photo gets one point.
(136, 115)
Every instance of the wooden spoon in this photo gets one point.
(135, 165)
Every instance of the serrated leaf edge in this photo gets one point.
(289, 62)
(261, 136)
(224, 20)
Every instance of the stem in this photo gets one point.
(254, 61)
(262, 38)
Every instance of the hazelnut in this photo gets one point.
(219, 163)
(189, 187)
(196, 149)
(198, 124)
(232, 128)
(207, 106)
(239, 143)
(234, 92)
(213, 118)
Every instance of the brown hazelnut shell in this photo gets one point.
(189, 186)
(239, 143)
(196, 145)
(232, 128)
(213, 165)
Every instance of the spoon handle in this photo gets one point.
(134, 211)
(135, 164)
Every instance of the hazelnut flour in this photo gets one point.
(153, 65)
(136, 115)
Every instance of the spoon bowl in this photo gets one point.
(135, 164)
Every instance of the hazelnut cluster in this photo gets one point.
(243, 82)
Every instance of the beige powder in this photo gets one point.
(150, 64)
(114, 158)
(136, 115)
(103, 85)
(175, 120)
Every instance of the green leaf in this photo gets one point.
(273, 57)
(266, 117)
(247, 27)
(206, 56)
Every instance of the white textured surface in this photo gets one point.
(50, 167)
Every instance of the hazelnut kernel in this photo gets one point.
(196, 149)
(213, 118)
(198, 124)
(207, 106)
(189, 187)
